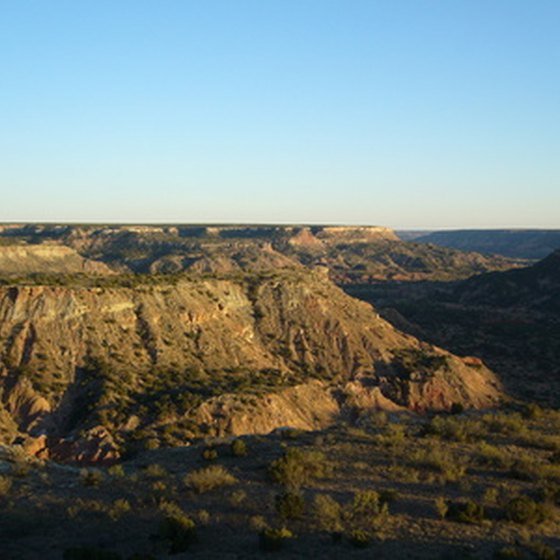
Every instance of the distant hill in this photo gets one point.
(348, 253)
(514, 243)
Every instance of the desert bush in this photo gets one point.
(90, 553)
(210, 454)
(466, 512)
(297, 467)
(209, 478)
(524, 510)
(5, 485)
(290, 505)
(491, 496)
(440, 461)
(442, 507)
(117, 471)
(532, 411)
(203, 516)
(238, 448)
(257, 523)
(393, 436)
(119, 508)
(327, 513)
(271, 539)
(506, 424)
(178, 531)
(367, 509)
(237, 497)
(492, 456)
(155, 471)
(91, 477)
(454, 429)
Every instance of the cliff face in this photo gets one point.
(242, 355)
(26, 259)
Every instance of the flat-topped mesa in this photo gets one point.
(47, 258)
(355, 234)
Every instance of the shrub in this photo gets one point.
(5, 485)
(327, 513)
(525, 511)
(290, 505)
(297, 467)
(466, 512)
(441, 506)
(203, 516)
(119, 508)
(271, 540)
(257, 523)
(91, 477)
(238, 448)
(179, 531)
(210, 454)
(492, 456)
(117, 471)
(360, 539)
(439, 461)
(155, 471)
(366, 507)
(209, 478)
(237, 497)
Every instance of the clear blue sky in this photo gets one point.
(407, 113)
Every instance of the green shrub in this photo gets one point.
(209, 478)
(492, 456)
(237, 497)
(238, 448)
(442, 507)
(367, 508)
(119, 508)
(91, 477)
(290, 505)
(327, 513)
(155, 471)
(526, 511)
(117, 471)
(5, 485)
(466, 512)
(271, 540)
(179, 532)
(210, 454)
(297, 467)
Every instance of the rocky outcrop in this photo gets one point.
(47, 258)
(285, 349)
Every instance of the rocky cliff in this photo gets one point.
(243, 354)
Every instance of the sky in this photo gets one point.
(404, 113)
